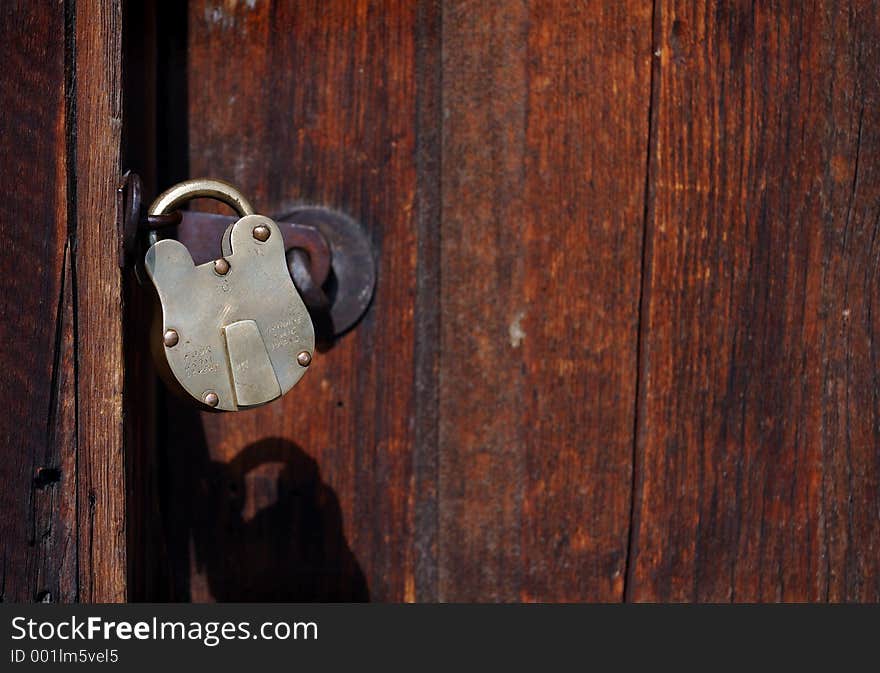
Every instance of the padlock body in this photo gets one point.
(236, 333)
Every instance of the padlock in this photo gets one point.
(233, 333)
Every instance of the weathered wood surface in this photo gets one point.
(313, 497)
(758, 461)
(100, 367)
(544, 155)
(37, 426)
(622, 346)
(622, 341)
(62, 523)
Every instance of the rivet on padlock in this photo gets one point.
(233, 333)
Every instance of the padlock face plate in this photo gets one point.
(239, 333)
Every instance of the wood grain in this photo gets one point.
(100, 366)
(757, 433)
(309, 102)
(623, 342)
(62, 467)
(544, 159)
(427, 314)
(37, 444)
(622, 346)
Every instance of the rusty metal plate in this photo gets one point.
(353, 268)
(200, 233)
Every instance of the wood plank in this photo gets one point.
(757, 454)
(313, 497)
(544, 161)
(147, 565)
(37, 444)
(100, 365)
(427, 316)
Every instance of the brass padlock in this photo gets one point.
(233, 333)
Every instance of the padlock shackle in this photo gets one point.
(211, 188)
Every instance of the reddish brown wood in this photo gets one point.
(313, 497)
(427, 314)
(527, 360)
(101, 459)
(63, 486)
(37, 447)
(544, 158)
(757, 454)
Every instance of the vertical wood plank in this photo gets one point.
(544, 159)
(64, 490)
(37, 442)
(313, 102)
(427, 314)
(147, 564)
(481, 467)
(100, 367)
(757, 455)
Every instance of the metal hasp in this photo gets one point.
(352, 277)
(329, 257)
(231, 332)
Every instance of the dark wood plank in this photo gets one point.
(757, 456)
(427, 314)
(544, 160)
(313, 497)
(37, 446)
(147, 564)
(100, 367)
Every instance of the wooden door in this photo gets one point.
(622, 340)
(62, 527)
